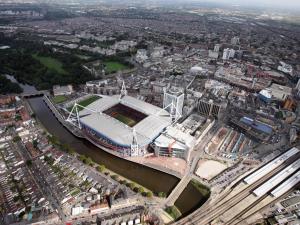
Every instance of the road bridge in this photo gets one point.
(178, 190)
(35, 94)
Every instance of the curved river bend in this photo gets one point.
(153, 179)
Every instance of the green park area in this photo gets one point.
(85, 102)
(59, 99)
(51, 63)
(114, 66)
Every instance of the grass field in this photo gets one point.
(51, 63)
(86, 102)
(124, 119)
(113, 66)
(59, 99)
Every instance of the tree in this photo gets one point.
(18, 117)
(101, 168)
(8, 87)
(131, 185)
(279, 115)
(115, 177)
(71, 151)
(141, 190)
(16, 138)
(89, 161)
(149, 194)
(82, 158)
(29, 162)
(16, 198)
(53, 140)
(122, 182)
(35, 143)
(136, 189)
(162, 194)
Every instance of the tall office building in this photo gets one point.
(173, 102)
(231, 53)
(213, 54)
(217, 48)
(226, 54)
(211, 108)
(235, 40)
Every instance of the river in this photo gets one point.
(153, 179)
(26, 87)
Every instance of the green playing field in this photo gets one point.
(85, 102)
(124, 119)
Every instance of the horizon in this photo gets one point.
(293, 5)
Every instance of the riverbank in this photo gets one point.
(107, 172)
(176, 170)
(133, 170)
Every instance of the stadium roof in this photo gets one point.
(100, 105)
(146, 130)
(108, 101)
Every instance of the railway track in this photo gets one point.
(212, 212)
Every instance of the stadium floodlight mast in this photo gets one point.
(123, 90)
(174, 114)
(72, 118)
(134, 145)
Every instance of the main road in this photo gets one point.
(195, 155)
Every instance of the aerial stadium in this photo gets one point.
(121, 123)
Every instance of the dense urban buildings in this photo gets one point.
(149, 112)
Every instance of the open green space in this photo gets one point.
(85, 102)
(75, 192)
(114, 66)
(124, 119)
(37, 65)
(50, 63)
(59, 99)
(89, 100)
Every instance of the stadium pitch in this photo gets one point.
(126, 115)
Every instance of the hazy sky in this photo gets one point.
(274, 3)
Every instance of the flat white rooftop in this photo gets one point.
(275, 180)
(270, 166)
(287, 185)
